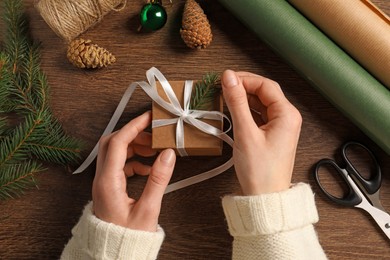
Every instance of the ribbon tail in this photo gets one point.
(88, 161)
(110, 127)
(202, 176)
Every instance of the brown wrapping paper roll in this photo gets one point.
(357, 27)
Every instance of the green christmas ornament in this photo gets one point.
(153, 16)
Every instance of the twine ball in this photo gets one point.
(70, 18)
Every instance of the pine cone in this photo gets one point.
(196, 30)
(83, 54)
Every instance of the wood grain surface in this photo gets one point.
(38, 224)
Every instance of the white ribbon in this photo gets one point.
(183, 115)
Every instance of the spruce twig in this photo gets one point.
(18, 177)
(16, 39)
(204, 92)
(5, 79)
(3, 128)
(33, 134)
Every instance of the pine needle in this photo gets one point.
(204, 92)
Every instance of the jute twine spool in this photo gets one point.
(70, 18)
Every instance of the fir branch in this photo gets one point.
(40, 136)
(3, 128)
(33, 133)
(204, 92)
(15, 178)
(55, 146)
(40, 91)
(12, 147)
(29, 89)
(16, 38)
(5, 81)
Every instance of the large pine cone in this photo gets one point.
(83, 54)
(196, 30)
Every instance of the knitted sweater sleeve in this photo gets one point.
(96, 239)
(274, 226)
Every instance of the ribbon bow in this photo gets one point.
(182, 115)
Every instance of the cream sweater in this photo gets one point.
(269, 226)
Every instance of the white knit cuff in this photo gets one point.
(270, 213)
(104, 240)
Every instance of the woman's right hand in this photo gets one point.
(264, 145)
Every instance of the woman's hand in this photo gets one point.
(110, 200)
(264, 145)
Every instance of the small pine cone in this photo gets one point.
(196, 30)
(83, 54)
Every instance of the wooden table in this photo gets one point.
(38, 224)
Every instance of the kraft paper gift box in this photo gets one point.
(196, 142)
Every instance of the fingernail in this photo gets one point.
(230, 79)
(167, 156)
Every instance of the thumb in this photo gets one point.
(159, 177)
(236, 99)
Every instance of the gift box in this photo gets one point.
(196, 142)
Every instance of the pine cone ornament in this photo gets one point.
(196, 30)
(84, 54)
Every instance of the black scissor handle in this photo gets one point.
(372, 184)
(349, 199)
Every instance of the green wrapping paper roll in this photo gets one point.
(331, 71)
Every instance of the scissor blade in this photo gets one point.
(375, 200)
(381, 217)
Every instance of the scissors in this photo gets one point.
(362, 192)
